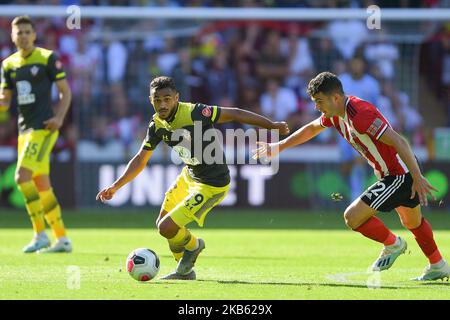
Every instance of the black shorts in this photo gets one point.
(391, 192)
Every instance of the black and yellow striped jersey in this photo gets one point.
(31, 80)
(189, 136)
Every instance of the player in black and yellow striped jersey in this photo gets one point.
(203, 183)
(29, 74)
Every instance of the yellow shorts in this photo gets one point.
(188, 200)
(33, 150)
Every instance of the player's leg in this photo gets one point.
(52, 214)
(195, 207)
(177, 250)
(26, 147)
(176, 193)
(50, 204)
(180, 239)
(30, 194)
(201, 199)
(360, 216)
(34, 208)
(413, 220)
(357, 214)
(43, 141)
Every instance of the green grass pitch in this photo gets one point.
(255, 254)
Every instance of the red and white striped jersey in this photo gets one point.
(362, 126)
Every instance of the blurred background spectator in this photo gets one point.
(264, 66)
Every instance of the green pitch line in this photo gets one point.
(218, 218)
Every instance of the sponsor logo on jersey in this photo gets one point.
(24, 95)
(206, 112)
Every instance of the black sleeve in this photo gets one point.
(152, 139)
(5, 78)
(206, 114)
(55, 68)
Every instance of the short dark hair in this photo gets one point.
(22, 20)
(325, 82)
(162, 83)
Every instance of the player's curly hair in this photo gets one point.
(22, 20)
(162, 83)
(325, 82)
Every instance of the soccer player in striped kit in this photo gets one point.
(401, 185)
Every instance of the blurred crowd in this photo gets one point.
(240, 3)
(261, 66)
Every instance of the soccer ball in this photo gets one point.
(142, 264)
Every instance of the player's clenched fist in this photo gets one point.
(283, 127)
(106, 194)
(53, 123)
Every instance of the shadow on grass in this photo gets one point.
(309, 285)
(437, 284)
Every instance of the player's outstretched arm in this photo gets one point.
(133, 168)
(421, 186)
(305, 133)
(6, 91)
(65, 96)
(5, 101)
(248, 117)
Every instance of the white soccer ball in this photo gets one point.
(142, 264)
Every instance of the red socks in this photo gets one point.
(424, 237)
(375, 229)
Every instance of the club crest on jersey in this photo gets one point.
(34, 70)
(206, 112)
(375, 126)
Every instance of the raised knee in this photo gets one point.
(349, 218)
(162, 229)
(166, 229)
(21, 178)
(42, 183)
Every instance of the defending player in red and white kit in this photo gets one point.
(401, 185)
